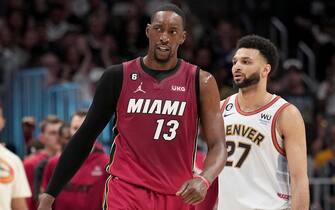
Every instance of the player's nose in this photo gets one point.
(164, 38)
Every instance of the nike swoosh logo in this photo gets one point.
(226, 115)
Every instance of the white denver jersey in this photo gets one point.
(256, 173)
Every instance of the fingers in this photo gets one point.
(192, 192)
(193, 198)
(181, 191)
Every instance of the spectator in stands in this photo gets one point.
(325, 159)
(326, 92)
(10, 57)
(223, 76)
(296, 92)
(34, 147)
(29, 43)
(57, 25)
(98, 39)
(50, 139)
(205, 58)
(28, 128)
(88, 182)
(14, 188)
(54, 67)
(64, 135)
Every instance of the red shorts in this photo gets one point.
(121, 195)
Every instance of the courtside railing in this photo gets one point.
(30, 96)
(322, 193)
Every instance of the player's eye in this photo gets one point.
(158, 29)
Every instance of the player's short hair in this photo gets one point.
(50, 119)
(267, 49)
(170, 7)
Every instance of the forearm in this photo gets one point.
(215, 161)
(300, 193)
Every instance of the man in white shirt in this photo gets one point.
(14, 188)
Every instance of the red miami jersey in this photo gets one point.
(156, 124)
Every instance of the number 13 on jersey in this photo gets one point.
(171, 134)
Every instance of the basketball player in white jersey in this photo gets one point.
(266, 167)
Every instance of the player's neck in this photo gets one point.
(152, 64)
(253, 98)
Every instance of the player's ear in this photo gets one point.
(182, 40)
(147, 30)
(267, 69)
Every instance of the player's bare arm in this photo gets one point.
(194, 191)
(291, 126)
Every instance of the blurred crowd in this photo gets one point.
(75, 40)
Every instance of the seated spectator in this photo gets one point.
(28, 128)
(88, 182)
(49, 138)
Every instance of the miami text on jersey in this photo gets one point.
(148, 106)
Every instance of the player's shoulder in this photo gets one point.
(114, 69)
(206, 79)
(204, 74)
(289, 110)
(112, 73)
(289, 115)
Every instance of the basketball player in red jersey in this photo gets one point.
(158, 101)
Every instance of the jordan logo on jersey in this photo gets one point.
(139, 89)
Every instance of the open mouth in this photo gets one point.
(238, 77)
(163, 48)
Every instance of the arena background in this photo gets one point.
(52, 53)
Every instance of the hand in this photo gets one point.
(193, 191)
(46, 202)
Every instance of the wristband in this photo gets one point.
(203, 179)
